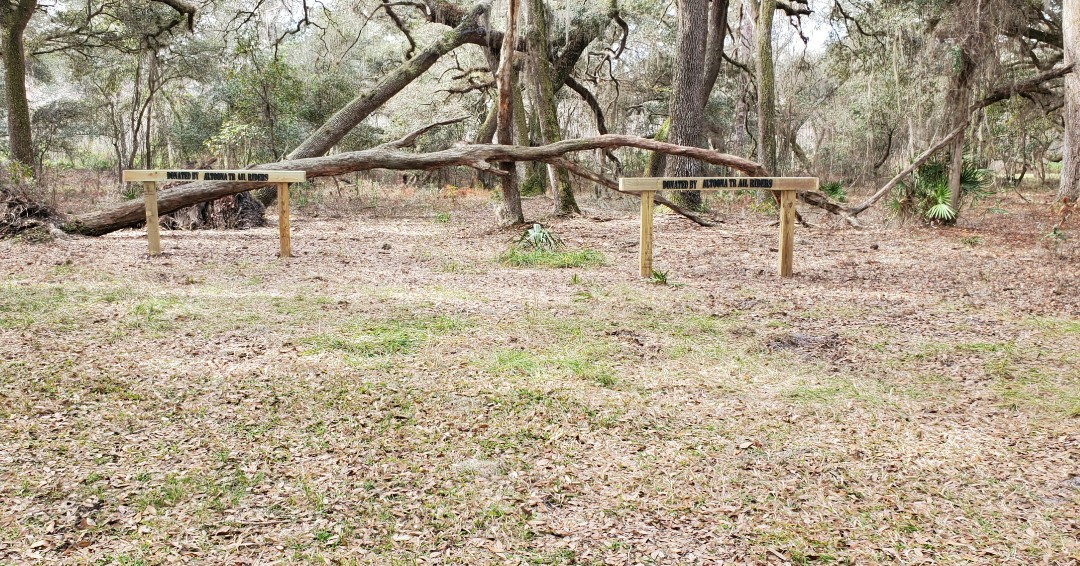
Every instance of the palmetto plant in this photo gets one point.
(926, 196)
(538, 238)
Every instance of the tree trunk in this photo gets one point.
(1070, 163)
(956, 171)
(13, 19)
(744, 38)
(543, 94)
(766, 83)
(687, 106)
(344, 120)
(957, 105)
(484, 134)
(714, 46)
(511, 212)
(658, 161)
(388, 156)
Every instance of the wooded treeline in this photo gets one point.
(852, 91)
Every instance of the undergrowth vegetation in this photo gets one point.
(927, 197)
(538, 247)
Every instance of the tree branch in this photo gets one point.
(584, 173)
(184, 8)
(410, 139)
(132, 213)
(856, 210)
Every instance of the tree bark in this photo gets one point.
(687, 105)
(714, 46)
(543, 94)
(956, 106)
(389, 156)
(14, 16)
(511, 212)
(1070, 164)
(766, 83)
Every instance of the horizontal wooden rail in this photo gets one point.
(647, 187)
(150, 179)
(643, 184)
(252, 175)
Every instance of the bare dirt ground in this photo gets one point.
(394, 395)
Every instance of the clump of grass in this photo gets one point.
(834, 190)
(516, 257)
(539, 247)
(386, 338)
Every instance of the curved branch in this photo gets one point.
(184, 8)
(584, 173)
(387, 6)
(132, 213)
(410, 139)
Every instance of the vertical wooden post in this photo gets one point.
(283, 220)
(787, 232)
(153, 231)
(646, 233)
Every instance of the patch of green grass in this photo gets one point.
(512, 363)
(226, 493)
(587, 361)
(384, 338)
(1056, 325)
(152, 314)
(22, 305)
(806, 393)
(173, 491)
(516, 257)
(1031, 389)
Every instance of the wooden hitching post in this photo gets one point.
(787, 232)
(283, 219)
(646, 233)
(153, 231)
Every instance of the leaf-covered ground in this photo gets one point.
(394, 395)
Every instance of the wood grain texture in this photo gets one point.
(284, 235)
(153, 230)
(787, 233)
(646, 234)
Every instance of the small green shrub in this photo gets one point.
(538, 238)
(926, 196)
(835, 191)
(539, 247)
(131, 191)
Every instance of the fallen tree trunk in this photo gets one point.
(388, 156)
